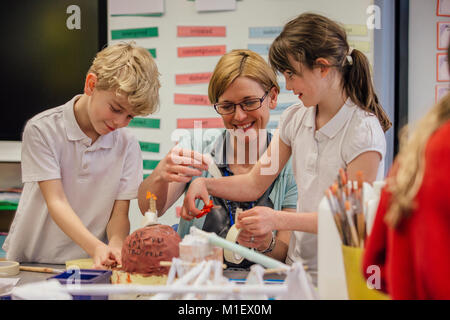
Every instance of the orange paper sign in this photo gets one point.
(201, 31)
(193, 78)
(202, 51)
(202, 122)
(197, 99)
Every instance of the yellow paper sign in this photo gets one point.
(363, 46)
(356, 29)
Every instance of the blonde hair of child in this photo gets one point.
(311, 36)
(406, 182)
(240, 63)
(131, 71)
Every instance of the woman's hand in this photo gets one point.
(175, 166)
(259, 221)
(197, 190)
(259, 242)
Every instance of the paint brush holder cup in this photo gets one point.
(357, 287)
(331, 271)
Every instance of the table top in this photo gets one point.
(27, 276)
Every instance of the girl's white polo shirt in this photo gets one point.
(317, 157)
(93, 177)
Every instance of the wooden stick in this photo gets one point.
(41, 269)
(190, 264)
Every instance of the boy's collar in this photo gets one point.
(74, 132)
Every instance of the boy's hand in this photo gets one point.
(106, 257)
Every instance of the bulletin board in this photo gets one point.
(252, 25)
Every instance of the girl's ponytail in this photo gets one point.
(359, 87)
(311, 36)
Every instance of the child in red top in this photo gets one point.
(410, 239)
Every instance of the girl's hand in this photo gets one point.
(249, 240)
(175, 166)
(197, 190)
(106, 257)
(259, 221)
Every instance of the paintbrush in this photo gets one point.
(341, 213)
(360, 197)
(41, 269)
(349, 213)
(336, 218)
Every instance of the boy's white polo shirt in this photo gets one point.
(317, 156)
(93, 177)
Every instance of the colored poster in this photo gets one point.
(195, 99)
(264, 32)
(134, 33)
(193, 78)
(441, 91)
(200, 123)
(201, 31)
(215, 5)
(139, 122)
(201, 51)
(120, 7)
(443, 8)
(443, 35)
(442, 72)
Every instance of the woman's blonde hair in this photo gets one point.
(410, 163)
(131, 71)
(311, 36)
(240, 63)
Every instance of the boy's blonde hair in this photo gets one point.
(131, 71)
(240, 63)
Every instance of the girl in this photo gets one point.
(410, 236)
(338, 123)
(244, 89)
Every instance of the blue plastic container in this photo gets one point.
(84, 276)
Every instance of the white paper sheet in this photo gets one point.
(136, 6)
(215, 5)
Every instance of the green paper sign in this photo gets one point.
(149, 146)
(152, 52)
(134, 33)
(150, 164)
(145, 123)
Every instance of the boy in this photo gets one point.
(80, 170)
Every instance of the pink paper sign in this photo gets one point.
(197, 99)
(201, 31)
(193, 78)
(200, 122)
(201, 51)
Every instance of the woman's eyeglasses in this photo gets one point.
(246, 105)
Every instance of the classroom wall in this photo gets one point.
(422, 57)
(249, 13)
